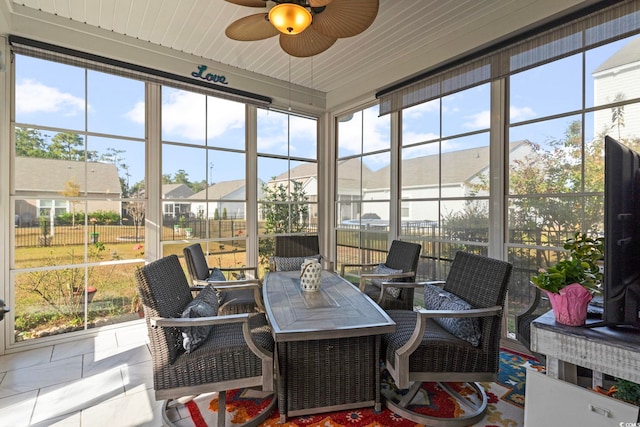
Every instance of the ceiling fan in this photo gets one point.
(306, 27)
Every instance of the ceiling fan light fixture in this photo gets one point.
(290, 18)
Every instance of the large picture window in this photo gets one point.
(204, 176)
(78, 235)
(534, 114)
(363, 187)
(444, 177)
(287, 161)
(556, 184)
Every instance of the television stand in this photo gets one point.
(611, 350)
(604, 350)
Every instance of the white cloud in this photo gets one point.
(375, 133)
(481, 120)
(273, 133)
(35, 97)
(420, 151)
(183, 114)
(415, 137)
(419, 110)
(521, 113)
(136, 114)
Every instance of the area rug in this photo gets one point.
(505, 409)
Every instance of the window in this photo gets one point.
(79, 152)
(287, 177)
(551, 98)
(363, 186)
(204, 176)
(556, 175)
(444, 176)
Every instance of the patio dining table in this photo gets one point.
(327, 344)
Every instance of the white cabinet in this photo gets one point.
(553, 402)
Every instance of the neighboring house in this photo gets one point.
(451, 175)
(225, 195)
(171, 206)
(618, 76)
(48, 193)
(350, 174)
(306, 174)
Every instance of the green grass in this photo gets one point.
(44, 301)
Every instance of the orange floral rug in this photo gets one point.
(505, 409)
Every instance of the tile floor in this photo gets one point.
(104, 380)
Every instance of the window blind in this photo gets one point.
(604, 25)
(94, 62)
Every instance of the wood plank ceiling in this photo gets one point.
(406, 37)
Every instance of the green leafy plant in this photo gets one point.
(627, 391)
(582, 266)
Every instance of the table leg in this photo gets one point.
(378, 405)
(282, 381)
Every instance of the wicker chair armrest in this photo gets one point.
(356, 265)
(368, 276)
(253, 270)
(239, 285)
(473, 312)
(164, 322)
(243, 268)
(399, 285)
(403, 285)
(235, 285)
(421, 325)
(440, 283)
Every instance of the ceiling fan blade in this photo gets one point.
(251, 28)
(307, 43)
(346, 18)
(317, 3)
(249, 3)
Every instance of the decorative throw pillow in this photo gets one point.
(466, 328)
(205, 304)
(383, 269)
(216, 276)
(291, 263)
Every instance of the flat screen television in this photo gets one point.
(621, 283)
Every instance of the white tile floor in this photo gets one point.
(104, 380)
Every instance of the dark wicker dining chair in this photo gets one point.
(400, 266)
(456, 338)
(236, 353)
(290, 252)
(236, 296)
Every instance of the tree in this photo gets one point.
(617, 113)
(30, 143)
(114, 156)
(72, 189)
(181, 177)
(136, 211)
(283, 211)
(68, 146)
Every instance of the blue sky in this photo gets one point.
(51, 94)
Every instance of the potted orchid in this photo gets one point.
(571, 283)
